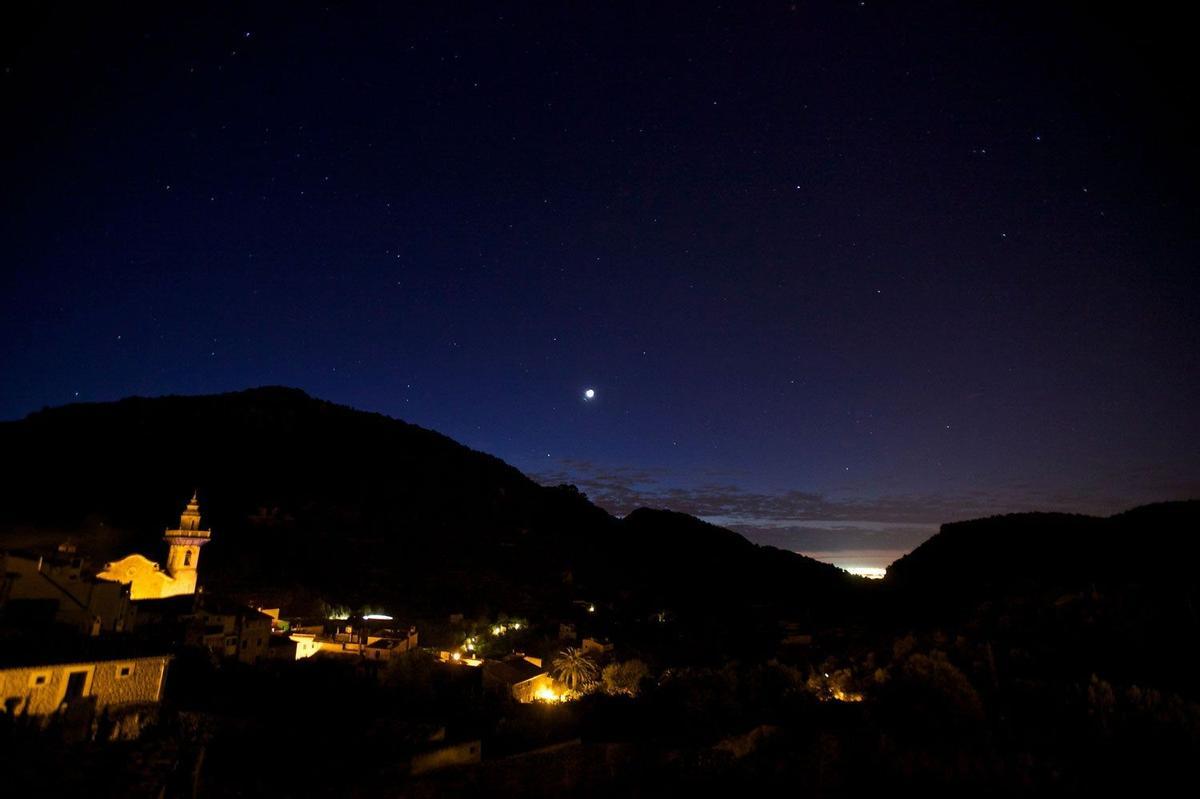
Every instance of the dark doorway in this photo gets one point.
(75, 683)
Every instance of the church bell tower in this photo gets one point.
(185, 543)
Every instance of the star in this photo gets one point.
(589, 394)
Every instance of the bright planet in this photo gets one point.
(589, 394)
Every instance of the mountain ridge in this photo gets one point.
(980, 556)
(299, 489)
(306, 494)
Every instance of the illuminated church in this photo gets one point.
(146, 579)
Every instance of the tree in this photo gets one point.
(931, 692)
(574, 668)
(624, 678)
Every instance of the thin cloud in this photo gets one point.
(805, 521)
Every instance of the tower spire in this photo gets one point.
(185, 543)
(190, 518)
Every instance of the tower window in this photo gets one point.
(187, 558)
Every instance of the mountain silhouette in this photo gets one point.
(304, 494)
(984, 556)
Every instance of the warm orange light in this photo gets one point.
(547, 694)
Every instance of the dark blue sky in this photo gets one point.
(837, 271)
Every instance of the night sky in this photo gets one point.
(836, 271)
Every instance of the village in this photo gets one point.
(91, 651)
(130, 678)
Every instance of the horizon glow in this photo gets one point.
(870, 572)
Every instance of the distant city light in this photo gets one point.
(870, 572)
(377, 617)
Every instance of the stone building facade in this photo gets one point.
(109, 684)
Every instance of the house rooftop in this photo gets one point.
(384, 643)
(219, 606)
(39, 650)
(181, 605)
(512, 671)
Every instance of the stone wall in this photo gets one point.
(40, 690)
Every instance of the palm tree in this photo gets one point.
(574, 668)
